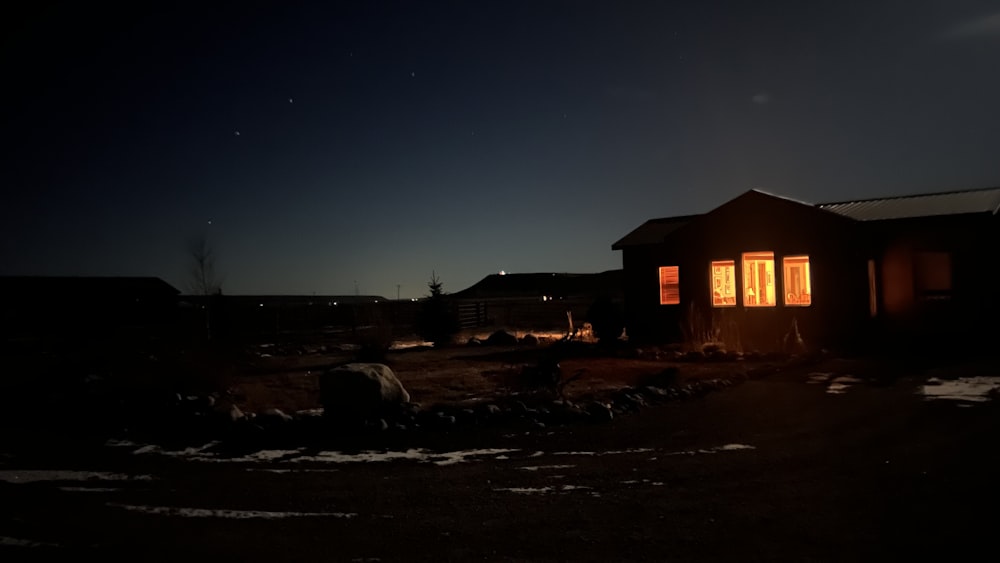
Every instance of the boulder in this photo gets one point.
(361, 391)
(501, 338)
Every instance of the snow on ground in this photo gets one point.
(226, 513)
(543, 490)
(23, 476)
(964, 389)
(420, 455)
(6, 541)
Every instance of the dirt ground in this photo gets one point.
(468, 374)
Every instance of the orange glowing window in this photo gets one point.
(670, 287)
(724, 283)
(758, 279)
(797, 287)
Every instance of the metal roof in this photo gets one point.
(922, 205)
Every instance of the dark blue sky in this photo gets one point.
(380, 141)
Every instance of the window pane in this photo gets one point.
(758, 279)
(798, 291)
(932, 274)
(670, 290)
(723, 283)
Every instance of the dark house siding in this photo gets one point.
(913, 304)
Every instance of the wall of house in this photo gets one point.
(915, 309)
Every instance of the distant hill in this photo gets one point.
(537, 285)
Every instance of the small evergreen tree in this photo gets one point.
(436, 321)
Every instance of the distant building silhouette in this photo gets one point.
(53, 306)
(535, 301)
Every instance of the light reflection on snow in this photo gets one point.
(971, 389)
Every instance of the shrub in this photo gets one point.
(436, 320)
(607, 319)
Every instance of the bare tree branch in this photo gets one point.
(203, 278)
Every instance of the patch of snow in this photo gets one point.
(226, 513)
(451, 458)
(294, 456)
(303, 470)
(527, 490)
(18, 542)
(644, 481)
(714, 450)
(22, 476)
(970, 389)
(186, 452)
(609, 452)
(537, 467)
(848, 380)
(121, 444)
(543, 490)
(89, 489)
(819, 377)
(734, 447)
(836, 388)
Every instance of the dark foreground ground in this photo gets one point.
(773, 469)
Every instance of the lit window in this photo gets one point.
(724, 283)
(670, 287)
(758, 279)
(798, 291)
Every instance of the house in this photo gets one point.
(765, 272)
(36, 306)
(534, 301)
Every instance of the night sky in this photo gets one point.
(338, 147)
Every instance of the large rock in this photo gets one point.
(361, 391)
